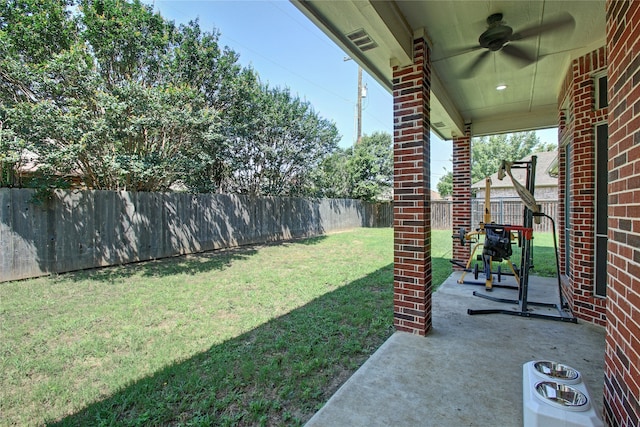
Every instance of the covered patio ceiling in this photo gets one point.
(532, 63)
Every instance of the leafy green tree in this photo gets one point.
(31, 33)
(487, 153)
(36, 37)
(129, 42)
(281, 143)
(35, 29)
(445, 184)
(331, 178)
(199, 60)
(371, 167)
(10, 157)
(108, 104)
(127, 100)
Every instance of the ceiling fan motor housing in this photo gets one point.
(497, 35)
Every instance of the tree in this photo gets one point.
(35, 30)
(445, 184)
(10, 158)
(36, 38)
(199, 60)
(129, 42)
(31, 33)
(112, 102)
(362, 172)
(371, 167)
(331, 178)
(487, 154)
(282, 141)
(127, 100)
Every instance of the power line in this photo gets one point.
(279, 65)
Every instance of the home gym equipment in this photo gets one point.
(497, 245)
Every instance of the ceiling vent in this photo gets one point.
(362, 40)
(439, 124)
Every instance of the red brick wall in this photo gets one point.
(411, 210)
(461, 208)
(579, 125)
(622, 354)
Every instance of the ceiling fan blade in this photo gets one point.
(470, 69)
(563, 21)
(457, 52)
(518, 54)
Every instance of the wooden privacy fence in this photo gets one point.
(503, 211)
(76, 230)
(511, 211)
(441, 215)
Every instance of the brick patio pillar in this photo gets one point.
(411, 207)
(461, 204)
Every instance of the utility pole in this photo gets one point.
(359, 107)
(362, 93)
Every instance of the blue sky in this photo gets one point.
(287, 50)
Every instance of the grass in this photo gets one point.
(254, 336)
(544, 256)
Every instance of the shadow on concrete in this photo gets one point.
(277, 374)
(468, 371)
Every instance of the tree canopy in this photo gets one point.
(278, 148)
(487, 153)
(371, 167)
(364, 171)
(445, 184)
(118, 96)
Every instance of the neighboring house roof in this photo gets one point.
(29, 165)
(28, 162)
(544, 162)
(435, 195)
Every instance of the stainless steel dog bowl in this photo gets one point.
(561, 394)
(556, 370)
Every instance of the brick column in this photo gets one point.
(622, 351)
(411, 207)
(461, 206)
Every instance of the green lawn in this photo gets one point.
(544, 258)
(254, 336)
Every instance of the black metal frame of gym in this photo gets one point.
(526, 233)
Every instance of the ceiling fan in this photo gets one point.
(500, 37)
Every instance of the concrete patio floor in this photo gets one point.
(468, 370)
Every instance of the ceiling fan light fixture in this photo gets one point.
(501, 87)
